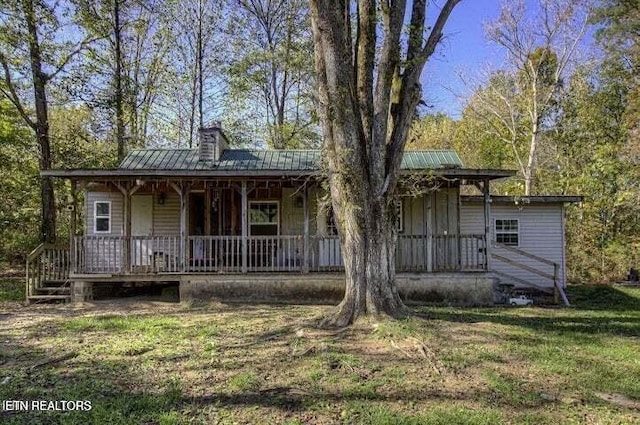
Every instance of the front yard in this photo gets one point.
(140, 361)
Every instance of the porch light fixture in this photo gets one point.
(298, 203)
(162, 198)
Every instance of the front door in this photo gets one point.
(141, 228)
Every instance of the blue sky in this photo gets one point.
(464, 49)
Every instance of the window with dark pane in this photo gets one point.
(263, 218)
(102, 217)
(507, 232)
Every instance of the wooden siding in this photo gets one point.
(540, 233)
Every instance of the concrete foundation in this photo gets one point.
(415, 288)
(81, 291)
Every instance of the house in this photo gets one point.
(238, 223)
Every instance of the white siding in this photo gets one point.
(540, 233)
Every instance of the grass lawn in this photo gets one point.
(147, 362)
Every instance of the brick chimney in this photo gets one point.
(212, 142)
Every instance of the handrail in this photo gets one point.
(524, 253)
(556, 267)
(36, 273)
(33, 255)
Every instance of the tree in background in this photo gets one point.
(34, 50)
(619, 34)
(273, 67)
(517, 103)
(368, 88)
(124, 69)
(193, 91)
(591, 140)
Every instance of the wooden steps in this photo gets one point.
(51, 290)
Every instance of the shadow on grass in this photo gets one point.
(604, 297)
(595, 311)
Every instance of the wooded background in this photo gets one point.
(82, 82)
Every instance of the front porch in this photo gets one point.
(159, 255)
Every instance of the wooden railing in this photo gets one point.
(459, 252)
(552, 275)
(155, 254)
(284, 253)
(99, 254)
(46, 263)
(214, 254)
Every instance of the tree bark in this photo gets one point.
(365, 122)
(118, 82)
(41, 127)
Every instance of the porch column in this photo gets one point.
(428, 227)
(126, 243)
(72, 227)
(487, 224)
(127, 190)
(305, 206)
(207, 210)
(182, 190)
(245, 226)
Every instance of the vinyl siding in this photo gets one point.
(166, 217)
(116, 212)
(540, 233)
(103, 254)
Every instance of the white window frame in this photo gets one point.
(507, 232)
(96, 216)
(277, 223)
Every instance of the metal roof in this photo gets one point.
(267, 160)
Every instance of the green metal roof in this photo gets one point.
(267, 160)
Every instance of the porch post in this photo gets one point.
(207, 209)
(183, 191)
(245, 227)
(487, 224)
(305, 205)
(428, 204)
(72, 229)
(127, 230)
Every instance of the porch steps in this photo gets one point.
(51, 290)
(40, 298)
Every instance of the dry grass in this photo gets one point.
(153, 362)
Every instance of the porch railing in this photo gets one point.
(284, 253)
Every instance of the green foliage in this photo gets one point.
(12, 290)
(74, 146)
(592, 161)
(19, 186)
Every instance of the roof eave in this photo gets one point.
(100, 174)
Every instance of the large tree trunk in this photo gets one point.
(368, 241)
(41, 127)
(365, 120)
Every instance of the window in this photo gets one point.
(400, 223)
(263, 218)
(507, 232)
(102, 217)
(332, 228)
